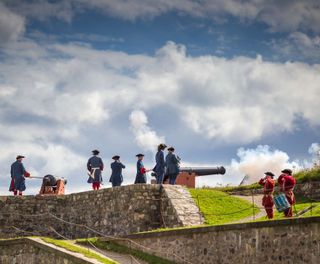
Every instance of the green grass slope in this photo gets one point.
(219, 207)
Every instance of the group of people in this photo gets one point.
(166, 168)
(286, 183)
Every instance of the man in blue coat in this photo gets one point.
(95, 167)
(159, 169)
(141, 170)
(172, 164)
(18, 174)
(116, 175)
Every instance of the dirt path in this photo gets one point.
(257, 199)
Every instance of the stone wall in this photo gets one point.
(288, 241)
(29, 251)
(112, 211)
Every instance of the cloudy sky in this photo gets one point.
(226, 82)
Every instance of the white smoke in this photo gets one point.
(255, 162)
(145, 137)
(314, 150)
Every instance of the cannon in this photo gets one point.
(52, 185)
(187, 175)
(203, 171)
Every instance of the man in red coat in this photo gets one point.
(268, 186)
(287, 183)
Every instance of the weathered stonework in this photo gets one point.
(112, 211)
(29, 251)
(291, 241)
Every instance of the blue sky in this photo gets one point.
(226, 83)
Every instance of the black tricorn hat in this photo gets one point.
(20, 157)
(269, 173)
(95, 152)
(116, 157)
(288, 171)
(162, 145)
(139, 155)
(171, 148)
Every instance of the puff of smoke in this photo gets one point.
(145, 137)
(255, 162)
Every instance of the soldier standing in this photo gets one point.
(287, 182)
(141, 170)
(172, 164)
(18, 174)
(159, 169)
(268, 184)
(95, 166)
(116, 175)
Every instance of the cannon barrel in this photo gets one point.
(203, 171)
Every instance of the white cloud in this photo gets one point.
(12, 25)
(145, 137)
(297, 46)
(288, 15)
(55, 99)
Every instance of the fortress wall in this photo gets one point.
(112, 211)
(288, 241)
(29, 251)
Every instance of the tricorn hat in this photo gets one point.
(171, 148)
(20, 157)
(287, 171)
(269, 173)
(95, 152)
(116, 157)
(162, 145)
(139, 155)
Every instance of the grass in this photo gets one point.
(220, 208)
(112, 246)
(308, 175)
(67, 245)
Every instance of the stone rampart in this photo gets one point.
(290, 241)
(112, 211)
(31, 251)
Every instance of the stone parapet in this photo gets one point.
(113, 211)
(279, 241)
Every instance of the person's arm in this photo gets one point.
(101, 164)
(122, 166)
(262, 181)
(25, 173)
(88, 165)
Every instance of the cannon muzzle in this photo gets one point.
(203, 171)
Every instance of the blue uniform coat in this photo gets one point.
(172, 164)
(116, 175)
(95, 166)
(140, 177)
(159, 169)
(17, 172)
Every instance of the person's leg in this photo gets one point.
(15, 192)
(160, 178)
(269, 211)
(98, 185)
(20, 193)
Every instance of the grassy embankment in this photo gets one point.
(71, 247)
(220, 208)
(112, 246)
